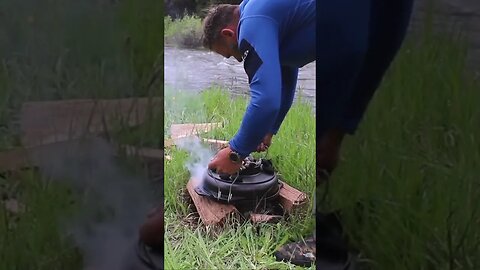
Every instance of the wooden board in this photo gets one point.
(210, 212)
(54, 121)
(143, 152)
(262, 218)
(19, 158)
(291, 197)
(23, 157)
(217, 144)
(13, 160)
(168, 143)
(186, 130)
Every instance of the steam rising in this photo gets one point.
(184, 104)
(113, 203)
(199, 154)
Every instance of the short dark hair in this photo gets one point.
(218, 16)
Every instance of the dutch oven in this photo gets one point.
(255, 182)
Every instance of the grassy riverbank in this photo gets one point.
(238, 245)
(414, 162)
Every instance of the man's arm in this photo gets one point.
(289, 83)
(385, 40)
(259, 35)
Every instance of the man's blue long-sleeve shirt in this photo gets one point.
(276, 38)
(357, 40)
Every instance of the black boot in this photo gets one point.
(301, 253)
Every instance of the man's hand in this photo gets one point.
(265, 144)
(222, 163)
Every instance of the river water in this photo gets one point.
(453, 15)
(196, 70)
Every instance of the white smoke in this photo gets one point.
(114, 202)
(184, 105)
(199, 157)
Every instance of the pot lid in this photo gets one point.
(255, 181)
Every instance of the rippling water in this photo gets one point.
(198, 69)
(195, 70)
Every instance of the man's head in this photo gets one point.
(220, 30)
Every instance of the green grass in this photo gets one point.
(184, 32)
(416, 160)
(238, 245)
(57, 50)
(30, 239)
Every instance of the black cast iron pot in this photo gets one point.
(256, 182)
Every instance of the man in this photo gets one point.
(266, 36)
(353, 42)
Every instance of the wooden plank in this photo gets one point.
(54, 121)
(218, 144)
(15, 159)
(210, 212)
(291, 197)
(262, 218)
(189, 129)
(143, 152)
(168, 143)
(24, 157)
(20, 158)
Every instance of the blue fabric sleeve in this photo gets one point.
(388, 28)
(262, 65)
(289, 83)
(341, 46)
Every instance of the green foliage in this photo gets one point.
(415, 162)
(144, 25)
(194, 6)
(30, 238)
(184, 32)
